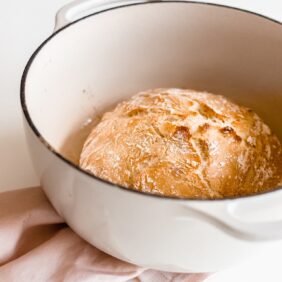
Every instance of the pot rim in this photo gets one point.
(72, 165)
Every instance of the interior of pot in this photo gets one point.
(105, 58)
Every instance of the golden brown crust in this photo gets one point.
(184, 143)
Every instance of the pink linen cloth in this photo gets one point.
(37, 246)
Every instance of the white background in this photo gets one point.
(24, 24)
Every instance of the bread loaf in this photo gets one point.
(183, 143)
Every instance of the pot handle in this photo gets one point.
(80, 8)
(222, 215)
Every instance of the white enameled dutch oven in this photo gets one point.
(122, 47)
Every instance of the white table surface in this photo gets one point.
(24, 24)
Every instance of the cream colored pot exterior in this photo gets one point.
(97, 61)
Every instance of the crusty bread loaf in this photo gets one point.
(184, 143)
